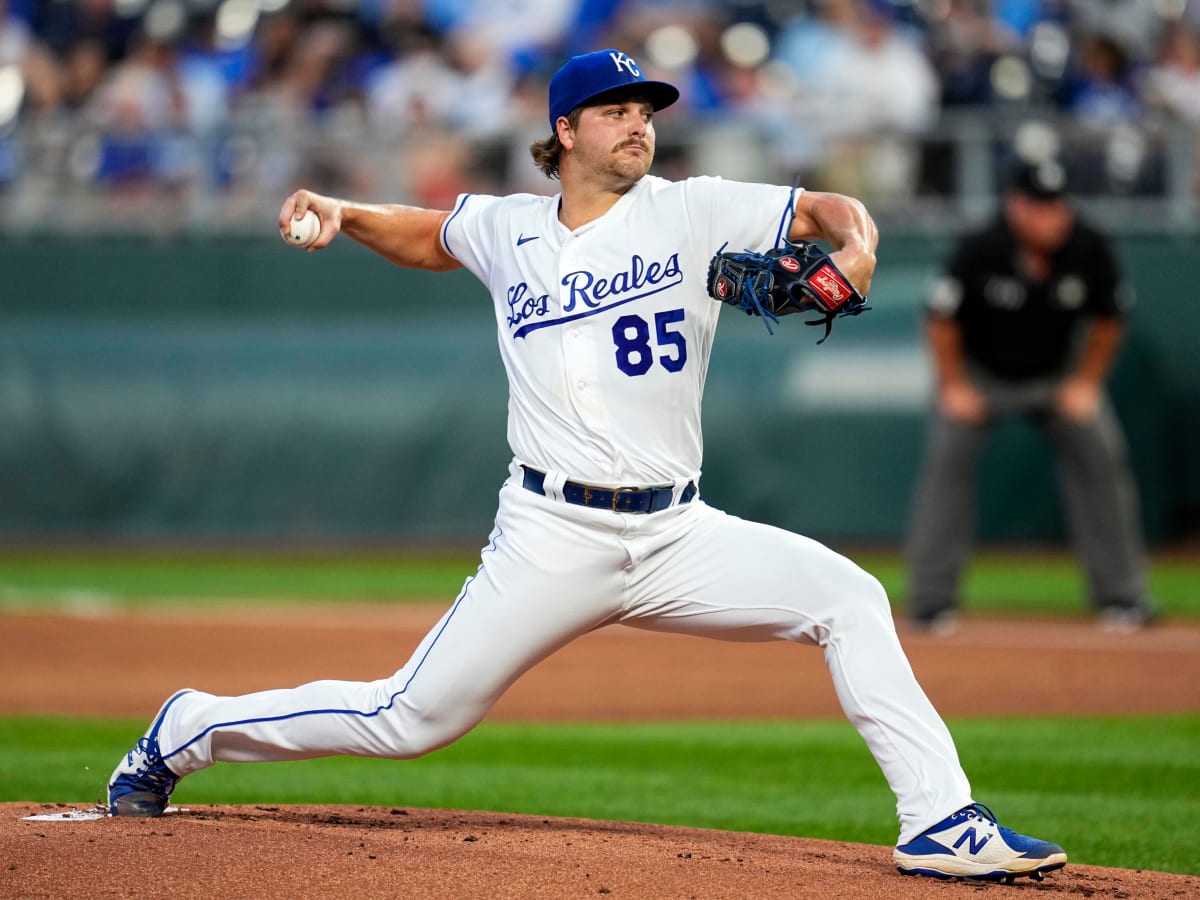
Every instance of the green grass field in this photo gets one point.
(1095, 785)
(1114, 791)
(1026, 583)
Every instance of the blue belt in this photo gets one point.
(629, 500)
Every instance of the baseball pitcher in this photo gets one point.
(606, 297)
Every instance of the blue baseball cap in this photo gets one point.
(587, 76)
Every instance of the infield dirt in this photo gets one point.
(59, 664)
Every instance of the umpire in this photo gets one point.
(1026, 321)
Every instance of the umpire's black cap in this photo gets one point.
(1044, 180)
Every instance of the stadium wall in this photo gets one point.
(209, 389)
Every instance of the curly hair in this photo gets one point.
(547, 152)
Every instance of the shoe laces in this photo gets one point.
(982, 811)
(153, 770)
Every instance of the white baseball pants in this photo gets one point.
(552, 572)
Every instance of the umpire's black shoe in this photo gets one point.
(1126, 618)
(942, 623)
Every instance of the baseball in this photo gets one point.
(303, 231)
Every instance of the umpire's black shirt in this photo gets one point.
(1016, 328)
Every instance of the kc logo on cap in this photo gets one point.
(586, 77)
(620, 60)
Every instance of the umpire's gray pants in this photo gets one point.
(1098, 489)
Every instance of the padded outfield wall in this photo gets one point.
(198, 389)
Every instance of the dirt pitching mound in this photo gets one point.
(346, 851)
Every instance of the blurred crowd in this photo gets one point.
(227, 104)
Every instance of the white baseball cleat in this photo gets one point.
(972, 844)
(141, 784)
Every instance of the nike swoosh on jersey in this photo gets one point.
(525, 240)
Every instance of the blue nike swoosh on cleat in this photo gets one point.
(525, 240)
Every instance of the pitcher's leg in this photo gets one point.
(510, 615)
(412, 712)
(943, 517)
(1102, 507)
(729, 578)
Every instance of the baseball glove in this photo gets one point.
(797, 277)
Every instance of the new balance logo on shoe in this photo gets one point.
(970, 835)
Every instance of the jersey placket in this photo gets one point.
(582, 347)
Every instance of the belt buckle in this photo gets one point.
(616, 496)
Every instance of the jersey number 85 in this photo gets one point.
(635, 356)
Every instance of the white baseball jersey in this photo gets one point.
(606, 331)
